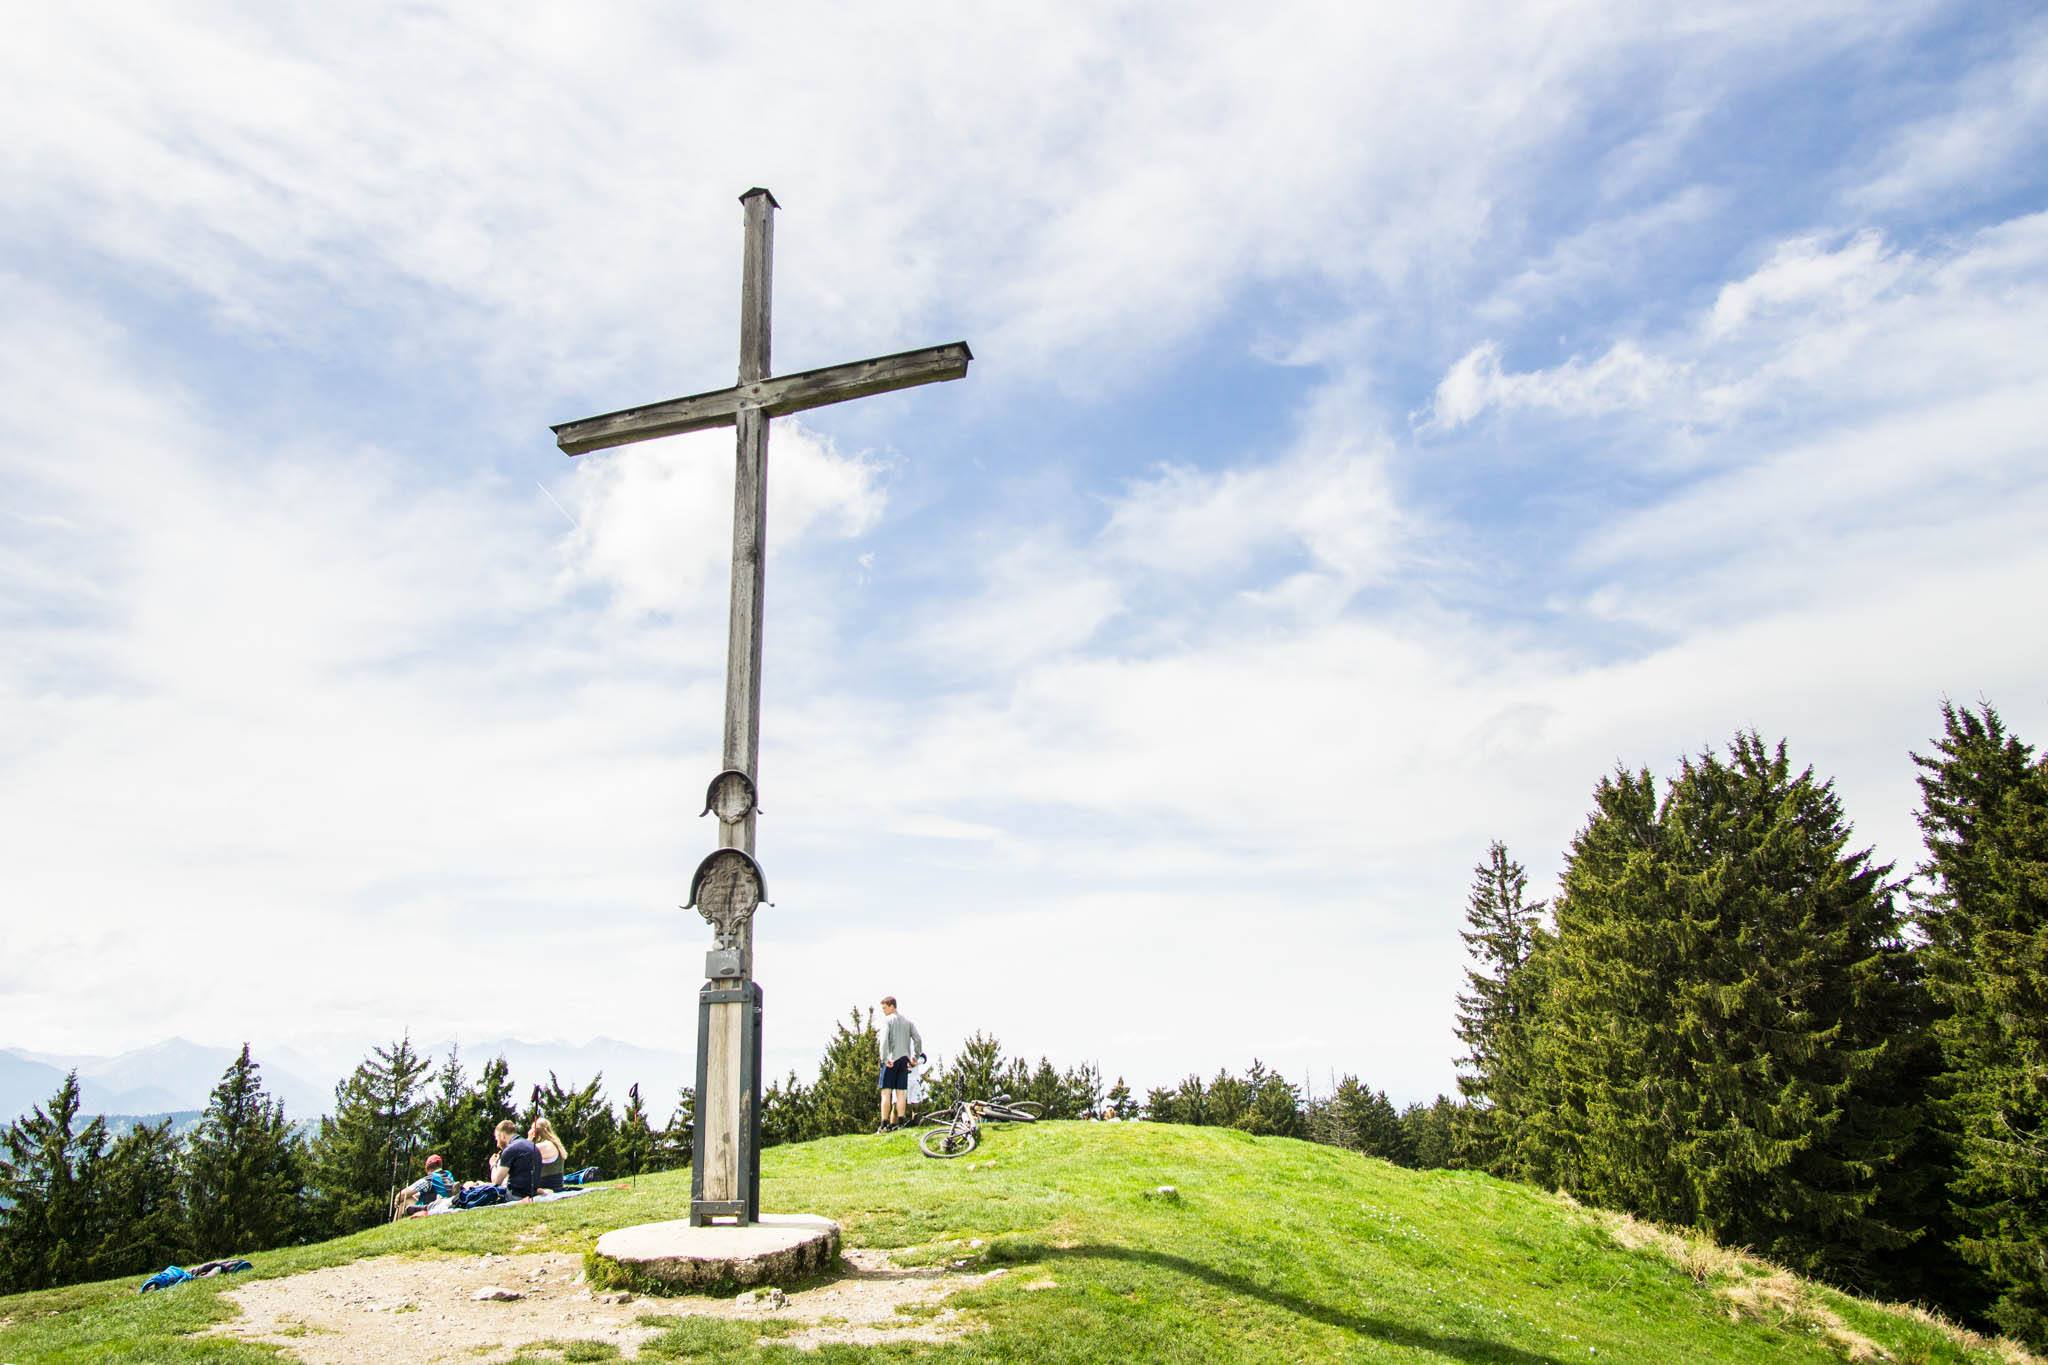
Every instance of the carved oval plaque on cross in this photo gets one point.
(726, 890)
(730, 797)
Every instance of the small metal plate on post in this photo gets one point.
(722, 964)
(731, 797)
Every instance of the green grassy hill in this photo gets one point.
(1271, 1250)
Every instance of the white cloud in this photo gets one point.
(548, 197)
(313, 698)
(1808, 275)
(1999, 120)
(1623, 377)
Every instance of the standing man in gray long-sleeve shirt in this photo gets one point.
(901, 1045)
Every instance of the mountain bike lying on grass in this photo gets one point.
(956, 1129)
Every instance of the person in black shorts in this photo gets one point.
(901, 1043)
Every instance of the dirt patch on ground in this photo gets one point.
(415, 1311)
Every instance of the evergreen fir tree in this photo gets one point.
(1728, 1018)
(1272, 1105)
(1367, 1122)
(244, 1174)
(672, 1147)
(978, 1072)
(1162, 1104)
(49, 1183)
(844, 1098)
(140, 1215)
(1226, 1100)
(787, 1112)
(454, 1118)
(1985, 820)
(1047, 1088)
(1493, 1011)
(1604, 1049)
(369, 1146)
(582, 1118)
(1080, 1092)
(494, 1105)
(1120, 1102)
(1430, 1131)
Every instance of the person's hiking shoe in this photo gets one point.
(882, 1128)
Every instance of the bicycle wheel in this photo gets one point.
(944, 1142)
(1031, 1110)
(938, 1118)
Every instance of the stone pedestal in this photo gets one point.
(675, 1257)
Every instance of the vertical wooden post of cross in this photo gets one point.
(728, 886)
(749, 533)
(729, 1175)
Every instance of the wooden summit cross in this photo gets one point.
(726, 1165)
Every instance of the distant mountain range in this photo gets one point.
(177, 1075)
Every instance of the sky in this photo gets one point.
(1384, 421)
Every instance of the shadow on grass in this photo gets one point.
(1475, 1349)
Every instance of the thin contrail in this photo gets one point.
(558, 507)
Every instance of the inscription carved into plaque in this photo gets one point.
(726, 890)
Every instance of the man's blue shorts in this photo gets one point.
(896, 1075)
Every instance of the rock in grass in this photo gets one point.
(492, 1293)
(766, 1300)
(1162, 1192)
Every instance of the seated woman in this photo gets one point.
(554, 1158)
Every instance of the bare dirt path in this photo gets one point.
(390, 1308)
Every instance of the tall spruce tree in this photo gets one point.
(1729, 1015)
(49, 1187)
(245, 1173)
(1431, 1131)
(1984, 817)
(1366, 1121)
(978, 1072)
(1495, 1008)
(139, 1218)
(843, 1100)
(454, 1118)
(1081, 1094)
(1272, 1106)
(677, 1137)
(582, 1118)
(494, 1105)
(368, 1147)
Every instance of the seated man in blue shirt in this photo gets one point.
(435, 1184)
(518, 1165)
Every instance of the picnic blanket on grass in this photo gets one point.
(495, 1197)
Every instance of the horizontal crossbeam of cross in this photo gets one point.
(777, 397)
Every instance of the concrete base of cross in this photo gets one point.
(673, 1257)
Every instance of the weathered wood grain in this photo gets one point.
(777, 397)
(722, 1104)
(757, 271)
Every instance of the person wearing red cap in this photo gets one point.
(414, 1198)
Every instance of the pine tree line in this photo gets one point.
(77, 1203)
(842, 1099)
(1736, 1020)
